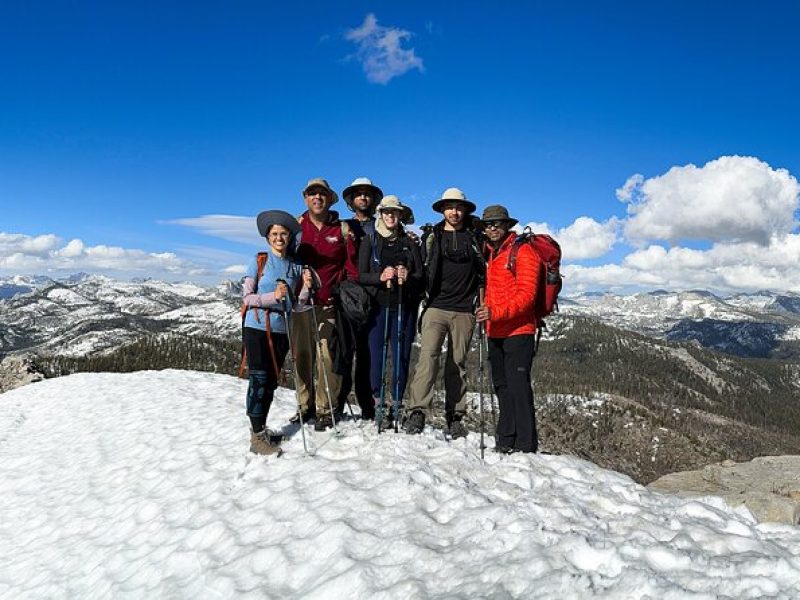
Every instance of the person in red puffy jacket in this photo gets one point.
(507, 314)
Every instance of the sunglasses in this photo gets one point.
(495, 225)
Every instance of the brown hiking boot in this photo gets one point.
(260, 444)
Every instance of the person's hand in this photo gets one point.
(402, 274)
(483, 314)
(281, 289)
(308, 281)
(388, 274)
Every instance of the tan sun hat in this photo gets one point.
(323, 183)
(453, 195)
(495, 212)
(393, 203)
(347, 194)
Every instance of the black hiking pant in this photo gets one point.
(511, 360)
(361, 378)
(263, 378)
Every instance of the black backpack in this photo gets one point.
(354, 302)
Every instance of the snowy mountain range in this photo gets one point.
(750, 325)
(85, 314)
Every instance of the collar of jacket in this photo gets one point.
(439, 227)
(512, 235)
(333, 218)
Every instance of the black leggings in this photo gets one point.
(262, 376)
(511, 359)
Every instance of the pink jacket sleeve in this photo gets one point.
(252, 299)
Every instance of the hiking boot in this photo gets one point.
(387, 422)
(504, 449)
(368, 410)
(307, 416)
(415, 422)
(457, 429)
(260, 444)
(323, 423)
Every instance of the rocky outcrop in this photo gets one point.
(16, 371)
(769, 486)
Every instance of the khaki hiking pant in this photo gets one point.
(437, 325)
(309, 359)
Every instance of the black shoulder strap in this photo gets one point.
(522, 238)
(373, 242)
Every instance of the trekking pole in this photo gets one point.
(319, 364)
(481, 369)
(382, 402)
(294, 371)
(483, 352)
(491, 392)
(397, 349)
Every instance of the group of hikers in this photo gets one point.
(343, 294)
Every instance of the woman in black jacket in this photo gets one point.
(390, 268)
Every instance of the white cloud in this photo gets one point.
(725, 267)
(40, 245)
(72, 250)
(578, 278)
(380, 51)
(730, 199)
(235, 270)
(20, 253)
(216, 256)
(228, 227)
(743, 208)
(585, 238)
(626, 192)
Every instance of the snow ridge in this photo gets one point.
(141, 485)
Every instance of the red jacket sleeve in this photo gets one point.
(519, 301)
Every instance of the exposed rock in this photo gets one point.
(769, 486)
(16, 371)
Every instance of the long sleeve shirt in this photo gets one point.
(333, 257)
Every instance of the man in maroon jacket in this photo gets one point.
(329, 248)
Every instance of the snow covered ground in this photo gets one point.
(141, 486)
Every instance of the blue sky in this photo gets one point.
(123, 126)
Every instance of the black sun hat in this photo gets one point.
(268, 218)
(495, 212)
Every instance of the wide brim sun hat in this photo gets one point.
(347, 194)
(393, 203)
(323, 183)
(454, 195)
(268, 218)
(495, 212)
